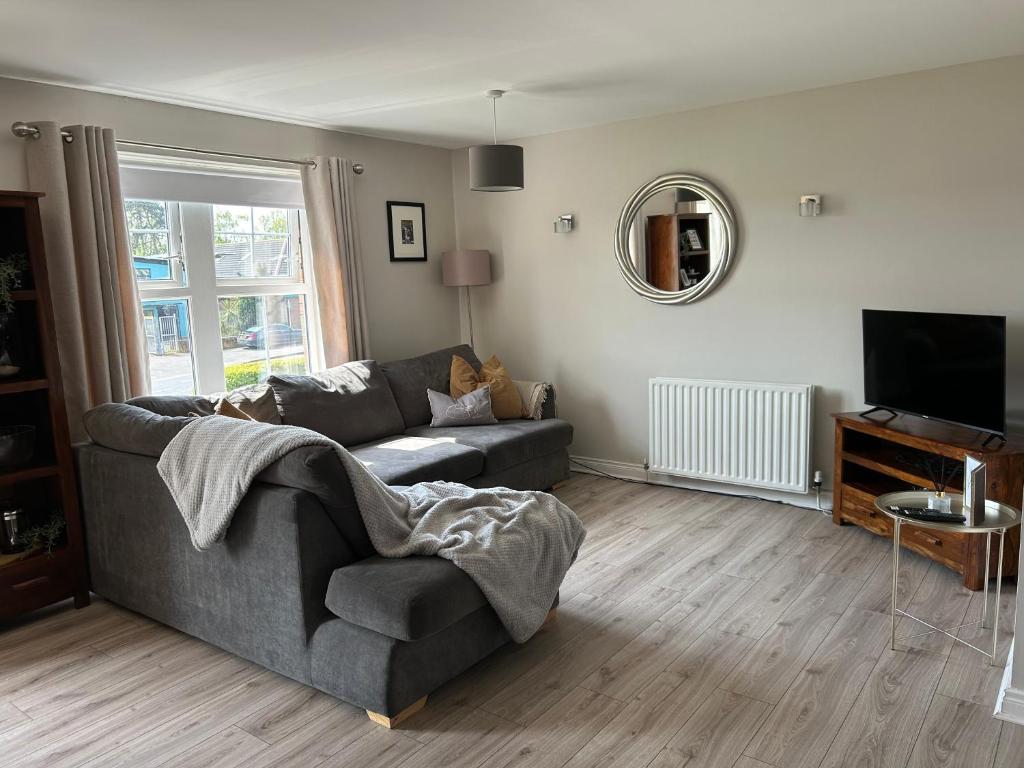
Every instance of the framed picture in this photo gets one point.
(407, 231)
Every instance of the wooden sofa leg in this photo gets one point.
(552, 615)
(394, 720)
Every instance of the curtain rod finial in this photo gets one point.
(24, 130)
(357, 169)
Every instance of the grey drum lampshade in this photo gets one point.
(462, 268)
(684, 195)
(496, 167)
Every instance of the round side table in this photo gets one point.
(999, 518)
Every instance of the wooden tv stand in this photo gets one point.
(881, 453)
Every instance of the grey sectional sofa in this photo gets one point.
(296, 586)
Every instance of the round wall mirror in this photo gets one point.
(675, 239)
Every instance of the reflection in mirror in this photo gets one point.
(675, 239)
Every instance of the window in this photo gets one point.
(150, 238)
(224, 294)
(252, 243)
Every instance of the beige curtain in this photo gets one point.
(331, 213)
(100, 338)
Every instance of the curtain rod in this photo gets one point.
(27, 130)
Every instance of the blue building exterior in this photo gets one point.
(158, 338)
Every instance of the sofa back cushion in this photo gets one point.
(174, 405)
(256, 401)
(350, 403)
(312, 468)
(132, 429)
(410, 379)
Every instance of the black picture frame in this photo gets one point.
(403, 250)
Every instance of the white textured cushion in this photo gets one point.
(471, 409)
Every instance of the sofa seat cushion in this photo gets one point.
(350, 403)
(507, 443)
(406, 598)
(410, 379)
(405, 460)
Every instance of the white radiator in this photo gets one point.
(731, 432)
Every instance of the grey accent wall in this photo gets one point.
(410, 312)
(923, 178)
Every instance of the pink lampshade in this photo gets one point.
(461, 268)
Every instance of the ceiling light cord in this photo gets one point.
(494, 117)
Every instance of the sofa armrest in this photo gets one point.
(316, 469)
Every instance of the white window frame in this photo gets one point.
(177, 277)
(192, 228)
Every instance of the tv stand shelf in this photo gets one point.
(876, 454)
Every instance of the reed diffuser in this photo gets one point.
(941, 473)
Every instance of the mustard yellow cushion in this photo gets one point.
(505, 400)
(225, 408)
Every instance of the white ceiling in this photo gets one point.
(416, 69)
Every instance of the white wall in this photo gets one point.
(923, 178)
(410, 312)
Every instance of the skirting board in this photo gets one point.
(624, 470)
(1010, 701)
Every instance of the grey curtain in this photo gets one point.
(331, 212)
(100, 338)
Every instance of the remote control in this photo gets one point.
(927, 515)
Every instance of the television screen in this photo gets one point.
(940, 366)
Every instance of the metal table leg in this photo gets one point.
(988, 558)
(999, 598)
(895, 578)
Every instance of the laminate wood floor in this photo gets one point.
(694, 630)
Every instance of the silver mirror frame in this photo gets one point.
(720, 205)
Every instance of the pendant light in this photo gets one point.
(495, 167)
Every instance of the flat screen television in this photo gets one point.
(939, 366)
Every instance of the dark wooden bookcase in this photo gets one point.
(875, 455)
(35, 396)
(669, 253)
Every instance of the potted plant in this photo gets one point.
(12, 268)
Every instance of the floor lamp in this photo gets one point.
(462, 269)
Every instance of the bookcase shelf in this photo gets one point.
(14, 386)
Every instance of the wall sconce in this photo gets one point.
(565, 223)
(810, 205)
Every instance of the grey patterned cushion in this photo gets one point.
(469, 410)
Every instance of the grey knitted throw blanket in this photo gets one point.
(516, 545)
